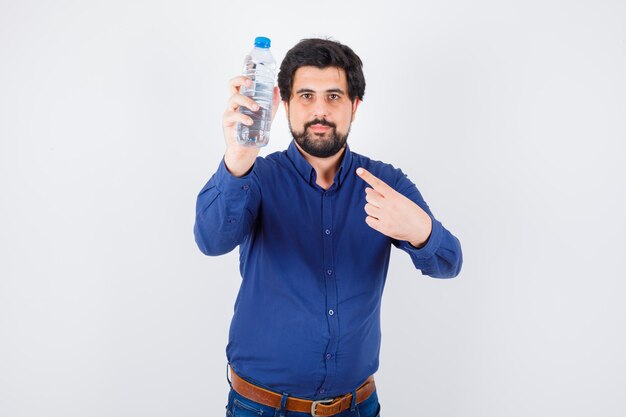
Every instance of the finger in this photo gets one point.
(376, 183)
(231, 118)
(374, 197)
(373, 211)
(237, 100)
(235, 83)
(372, 222)
(275, 102)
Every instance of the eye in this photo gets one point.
(306, 96)
(334, 97)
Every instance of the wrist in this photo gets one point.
(418, 245)
(238, 164)
(421, 241)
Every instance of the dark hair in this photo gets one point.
(322, 53)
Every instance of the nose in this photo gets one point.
(320, 108)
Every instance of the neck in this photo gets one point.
(325, 168)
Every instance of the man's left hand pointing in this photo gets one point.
(392, 214)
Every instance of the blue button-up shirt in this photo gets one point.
(307, 316)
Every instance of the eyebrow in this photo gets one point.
(330, 90)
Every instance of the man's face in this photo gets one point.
(320, 111)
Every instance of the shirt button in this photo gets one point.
(327, 231)
(322, 391)
(331, 312)
(329, 272)
(328, 356)
(245, 187)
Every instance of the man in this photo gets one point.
(315, 225)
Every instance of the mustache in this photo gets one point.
(323, 122)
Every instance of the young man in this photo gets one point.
(314, 225)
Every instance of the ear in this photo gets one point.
(355, 105)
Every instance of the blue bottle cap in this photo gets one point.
(262, 42)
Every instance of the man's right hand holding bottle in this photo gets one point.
(240, 159)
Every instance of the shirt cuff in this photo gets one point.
(432, 244)
(225, 181)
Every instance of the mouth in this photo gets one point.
(317, 128)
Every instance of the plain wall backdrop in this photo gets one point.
(508, 116)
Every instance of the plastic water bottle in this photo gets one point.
(260, 66)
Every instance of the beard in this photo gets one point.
(315, 144)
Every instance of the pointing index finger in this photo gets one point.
(376, 183)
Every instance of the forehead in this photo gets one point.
(320, 78)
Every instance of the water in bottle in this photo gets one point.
(260, 66)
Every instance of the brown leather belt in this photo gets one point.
(322, 408)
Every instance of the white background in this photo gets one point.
(509, 117)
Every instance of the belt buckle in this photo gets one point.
(315, 403)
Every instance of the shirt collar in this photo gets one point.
(308, 172)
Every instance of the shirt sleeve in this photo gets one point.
(226, 210)
(441, 255)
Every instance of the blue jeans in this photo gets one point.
(239, 406)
